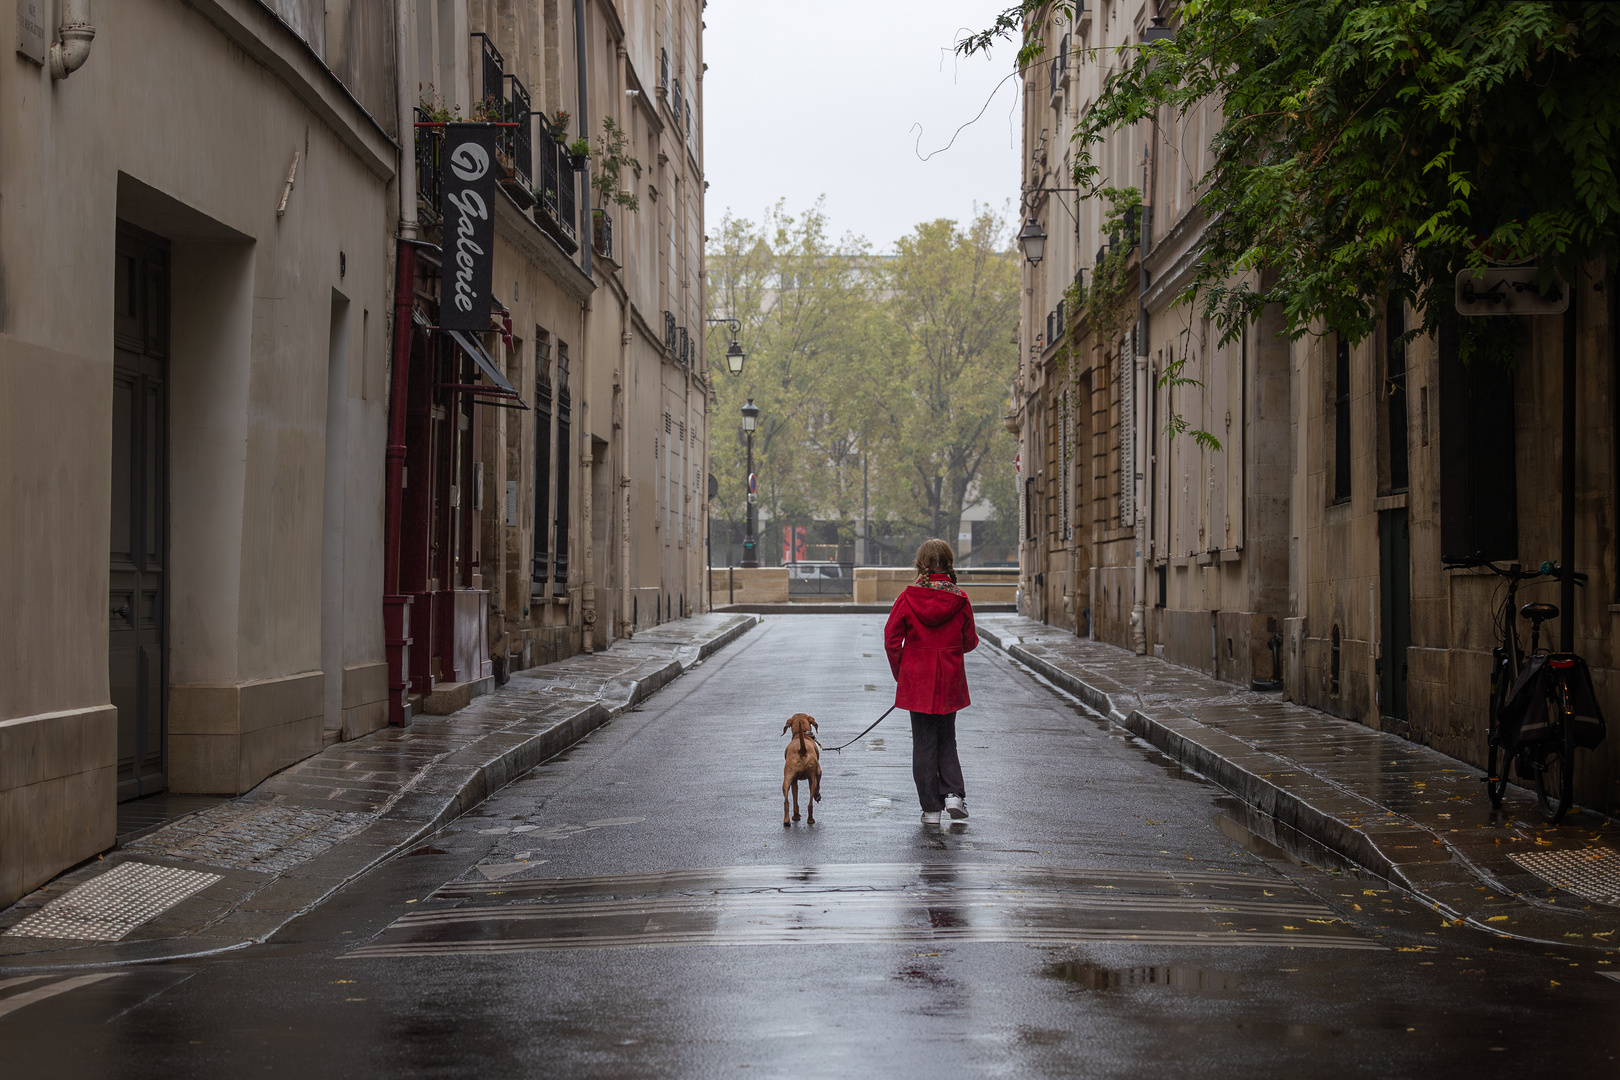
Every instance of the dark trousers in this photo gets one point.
(934, 764)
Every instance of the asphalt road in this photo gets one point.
(634, 908)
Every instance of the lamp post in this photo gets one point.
(734, 352)
(750, 420)
(1033, 241)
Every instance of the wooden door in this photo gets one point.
(137, 652)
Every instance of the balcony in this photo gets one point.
(429, 168)
(555, 208)
(515, 145)
(491, 74)
(669, 331)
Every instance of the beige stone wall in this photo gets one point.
(197, 152)
(755, 585)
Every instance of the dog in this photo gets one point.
(803, 762)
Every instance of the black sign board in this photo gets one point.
(468, 210)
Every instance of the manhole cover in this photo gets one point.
(1590, 873)
(110, 905)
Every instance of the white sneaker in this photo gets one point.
(930, 817)
(956, 806)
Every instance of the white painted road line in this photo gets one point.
(29, 997)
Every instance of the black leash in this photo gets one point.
(862, 735)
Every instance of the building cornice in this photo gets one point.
(520, 230)
(263, 35)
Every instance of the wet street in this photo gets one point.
(634, 908)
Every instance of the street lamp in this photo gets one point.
(734, 352)
(1033, 241)
(750, 421)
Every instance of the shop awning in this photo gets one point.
(491, 370)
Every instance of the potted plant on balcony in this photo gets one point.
(578, 151)
(559, 125)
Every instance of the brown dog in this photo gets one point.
(803, 763)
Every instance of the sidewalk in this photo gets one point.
(1409, 814)
(234, 873)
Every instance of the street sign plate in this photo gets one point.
(31, 30)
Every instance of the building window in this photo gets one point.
(1029, 510)
(1341, 419)
(1478, 479)
(1395, 394)
(540, 568)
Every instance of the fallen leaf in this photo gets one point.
(1497, 918)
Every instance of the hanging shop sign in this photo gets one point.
(468, 212)
(1510, 290)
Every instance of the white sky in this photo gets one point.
(805, 98)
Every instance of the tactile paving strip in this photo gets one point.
(110, 905)
(1591, 873)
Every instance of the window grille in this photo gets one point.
(540, 562)
(1127, 431)
(565, 460)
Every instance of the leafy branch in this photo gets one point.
(611, 161)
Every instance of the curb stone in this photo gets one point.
(249, 906)
(1312, 806)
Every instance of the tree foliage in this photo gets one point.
(878, 379)
(1371, 150)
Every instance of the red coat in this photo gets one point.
(929, 630)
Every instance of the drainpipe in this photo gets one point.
(588, 226)
(405, 82)
(1139, 609)
(72, 48)
(396, 607)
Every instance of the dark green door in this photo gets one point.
(1395, 583)
(137, 645)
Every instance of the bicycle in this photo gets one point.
(1541, 701)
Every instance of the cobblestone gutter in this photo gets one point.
(276, 852)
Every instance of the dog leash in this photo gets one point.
(862, 735)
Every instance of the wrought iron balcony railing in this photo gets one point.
(555, 195)
(429, 174)
(669, 331)
(517, 143)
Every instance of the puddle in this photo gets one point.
(429, 850)
(1092, 977)
(876, 743)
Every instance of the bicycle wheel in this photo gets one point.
(1555, 772)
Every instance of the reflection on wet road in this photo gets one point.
(634, 909)
(852, 904)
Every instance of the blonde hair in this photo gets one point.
(936, 557)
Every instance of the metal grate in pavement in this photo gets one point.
(110, 905)
(1590, 873)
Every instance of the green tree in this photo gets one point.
(952, 294)
(1371, 150)
(805, 305)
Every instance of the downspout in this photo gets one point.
(72, 47)
(587, 542)
(396, 607)
(587, 227)
(623, 389)
(1139, 608)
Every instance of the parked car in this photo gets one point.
(817, 571)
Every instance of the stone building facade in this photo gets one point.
(1308, 546)
(219, 534)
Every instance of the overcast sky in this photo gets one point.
(805, 98)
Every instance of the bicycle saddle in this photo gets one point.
(1539, 612)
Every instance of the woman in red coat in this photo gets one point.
(930, 629)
